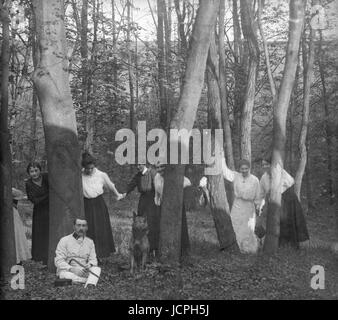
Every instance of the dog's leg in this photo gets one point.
(132, 264)
(144, 259)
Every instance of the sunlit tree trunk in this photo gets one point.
(308, 64)
(171, 211)
(218, 198)
(296, 20)
(7, 240)
(63, 153)
(223, 89)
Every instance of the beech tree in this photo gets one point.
(7, 240)
(296, 21)
(219, 205)
(63, 153)
(184, 117)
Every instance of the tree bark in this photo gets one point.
(171, 212)
(7, 239)
(296, 20)
(132, 122)
(249, 32)
(63, 153)
(308, 78)
(161, 64)
(328, 133)
(223, 89)
(238, 90)
(219, 205)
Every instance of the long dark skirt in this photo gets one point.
(293, 228)
(148, 208)
(99, 226)
(40, 232)
(185, 243)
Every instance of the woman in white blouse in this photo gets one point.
(293, 228)
(245, 205)
(94, 183)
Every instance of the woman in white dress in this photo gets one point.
(246, 203)
(22, 250)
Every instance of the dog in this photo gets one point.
(139, 243)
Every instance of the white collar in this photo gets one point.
(144, 170)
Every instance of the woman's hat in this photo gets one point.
(18, 194)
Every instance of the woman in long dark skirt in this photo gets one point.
(158, 183)
(94, 183)
(144, 181)
(37, 190)
(293, 228)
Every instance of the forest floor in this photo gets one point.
(207, 274)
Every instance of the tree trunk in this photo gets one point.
(171, 212)
(63, 153)
(7, 240)
(218, 197)
(168, 60)
(35, 52)
(308, 78)
(249, 32)
(238, 90)
(223, 89)
(328, 133)
(130, 71)
(296, 20)
(161, 63)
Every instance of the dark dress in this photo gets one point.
(146, 205)
(293, 228)
(99, 226)
(39, 196)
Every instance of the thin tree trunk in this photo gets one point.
(238, 94)
(249, 32)
(171, 211)
(161, 63)
(296, 20)
(308, 78)
(168, 62)
(218, 198)
(63, 153)
(308, 180)
(7, 239)
(130, 71)
(223, 89)
(328, 133)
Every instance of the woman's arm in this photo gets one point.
(228, 174)
(110, 185)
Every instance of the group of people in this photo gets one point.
(93, 237)
(251, 198)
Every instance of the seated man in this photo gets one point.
(75, 255)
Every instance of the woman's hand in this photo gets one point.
(121, 196)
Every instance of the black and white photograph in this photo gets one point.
(169, 151)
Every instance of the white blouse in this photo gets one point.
(265, 182)
(245, 188)
(94, 184)
(158, 185)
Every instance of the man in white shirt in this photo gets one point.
(75, 255)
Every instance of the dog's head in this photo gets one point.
(140, 225)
